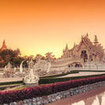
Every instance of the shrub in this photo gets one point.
(54, 80)
(30, 92)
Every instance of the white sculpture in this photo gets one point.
(31, 64)
(14, 69)
(8, 67)
(21, 66)
(32, 78)
(48, 67)
(42, 65)
(8, 71)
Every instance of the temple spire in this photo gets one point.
(95, 40)
(66, 48)
(3, 46)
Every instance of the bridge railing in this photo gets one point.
(86, 68)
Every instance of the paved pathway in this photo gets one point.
(82, 74)
(9, 79)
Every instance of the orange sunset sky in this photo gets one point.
(41, 26)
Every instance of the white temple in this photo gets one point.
(86, 55)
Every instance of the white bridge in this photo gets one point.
(76, 64)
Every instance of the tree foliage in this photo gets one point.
(9, 55)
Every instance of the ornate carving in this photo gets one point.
(31, 78)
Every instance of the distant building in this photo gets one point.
(85, 50)
(87, 54)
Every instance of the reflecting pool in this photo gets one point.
(98, 99)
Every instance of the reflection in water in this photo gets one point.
(89, 100)
(79, 103)
(98, 99)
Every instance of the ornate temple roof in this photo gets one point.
(94, 47)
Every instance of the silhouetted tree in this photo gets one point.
(49, 56)
(9, 55)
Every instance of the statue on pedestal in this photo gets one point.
(32, 78)
(8, 71)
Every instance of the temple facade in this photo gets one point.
(85, 50)
(86, 54)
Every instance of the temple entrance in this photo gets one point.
(75, 64)
(84, 55)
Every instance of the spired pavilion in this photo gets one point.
(86, 55)
(4, 47)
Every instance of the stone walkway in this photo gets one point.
(10, 79)
(73, 99)
(82, 74)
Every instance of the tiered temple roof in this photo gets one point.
(93, 48)
(4, 47)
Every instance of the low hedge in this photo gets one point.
(54, 80)
(63, 74)
(90, 70)
(9, 83)
(30, 92)
(71, 72)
